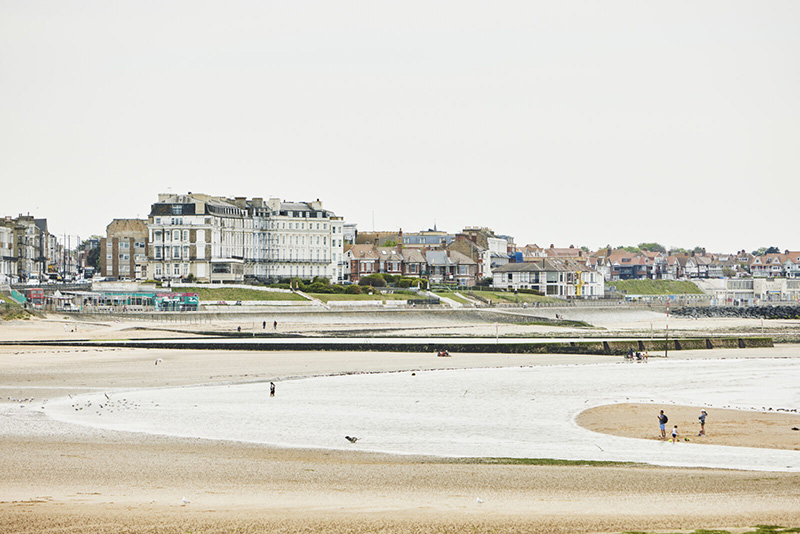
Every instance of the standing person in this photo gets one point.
(662, 424)
(702, 418)
(674, 433)
(272, 389)
(264, 325)
(274, 325)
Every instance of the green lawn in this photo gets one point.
(500, 297)
(452, 296)
(233, 294)
(655, 287)
(327, 297)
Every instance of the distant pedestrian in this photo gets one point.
(238, 328)
(264, 326)
(662, 424)
(274, 325)
(702, 418)
(675, 434)
(272, 389)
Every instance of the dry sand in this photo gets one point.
(767, 430)
(58, 477)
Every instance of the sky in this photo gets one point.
(567, 123)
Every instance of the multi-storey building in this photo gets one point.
(30, 248)
(221, 239)
(8, 263)
(551, 276)
(123, 252)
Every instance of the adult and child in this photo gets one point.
(662, 425)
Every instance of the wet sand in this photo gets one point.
(60, 477)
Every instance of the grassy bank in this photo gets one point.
(503, 297)
(656, 287)
(234, 294)
(327, 297)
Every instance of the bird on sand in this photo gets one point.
(185, 500)
(351, 439)
(159, 361)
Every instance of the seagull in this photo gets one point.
(107, 397)
(480, 501)
(351, 439)
(185, 500)
(159, 361)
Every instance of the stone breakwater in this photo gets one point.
(751, 312)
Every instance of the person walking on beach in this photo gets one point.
(702, 418)
(272, 389)
(674, 434)
(274, 325)
(662, 424)
(264, 325)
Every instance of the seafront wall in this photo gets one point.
(505, 346)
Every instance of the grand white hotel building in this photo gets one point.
(218, 239)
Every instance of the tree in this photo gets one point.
(773, 250)
(728, 272)
(93, 258)
(652, 247)
(760, 252)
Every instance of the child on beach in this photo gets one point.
(702, 418)
(674, 434)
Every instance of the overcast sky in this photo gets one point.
(585, 123)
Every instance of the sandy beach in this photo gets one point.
(62, 477)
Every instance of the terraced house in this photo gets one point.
(564, 278)
(219, 239)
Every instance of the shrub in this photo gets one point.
(353, 290)
(318, 287)
(374, 280)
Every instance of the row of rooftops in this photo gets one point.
(366, 252)
(201, 204)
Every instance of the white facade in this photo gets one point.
(8, 263)
(552, 277)
(229, 240)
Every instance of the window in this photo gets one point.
(158, 253)
(177, 269)
(176, 252)
(186, 235)
(124, 244)
(176, 235)
(186, 252)
(158, 270)
(157, 235)
(177, 209)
